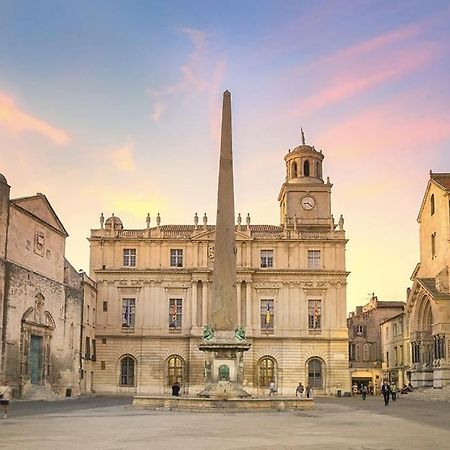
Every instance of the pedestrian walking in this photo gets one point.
(393, 391)
(300, 390)
(363, 391)
(386, 391)
(5, 397)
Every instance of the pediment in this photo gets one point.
(39, 206)
(210, 235)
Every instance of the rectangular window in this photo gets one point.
(103, 340)
(401, 355)
(394, 329)
(128, 312)
(94, 351)
(267, 316)
(366, 352)
(87, 349)
(387, 359)
(266, 258)
(433, 245)
(102, 365)
(175, 314)
(314, 314)
(313, 259)
(129, 257)
(359, 330)
(351, 351)
(105, 306)
(395, 356)
(176, 257)
(400, 329)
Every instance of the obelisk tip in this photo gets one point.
(227, 92)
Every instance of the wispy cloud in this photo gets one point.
(190, 79)
(123, 158)
(158, 109)
(199, 74)
(18, 121)
(360, 78)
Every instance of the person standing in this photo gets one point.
(299, 391)
(272, 388)
(363, 391)
(5, 397)
(393, 391)
(386, 391)
(176, 389)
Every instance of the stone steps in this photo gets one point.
(442, 394)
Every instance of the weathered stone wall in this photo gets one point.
(63, 304)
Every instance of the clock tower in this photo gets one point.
(305, 200)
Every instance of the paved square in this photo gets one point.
(348, 423)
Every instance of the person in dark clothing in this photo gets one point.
(386, 391)
(176, 389)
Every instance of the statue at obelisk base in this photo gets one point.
(224, 341)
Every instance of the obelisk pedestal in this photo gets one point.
(224, 342)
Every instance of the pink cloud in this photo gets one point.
(391, 128)
(18, 121)
(359, 77)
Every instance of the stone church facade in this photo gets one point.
(40, 300)
(154, 288)
(428, 305)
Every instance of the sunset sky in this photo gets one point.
(114, 106)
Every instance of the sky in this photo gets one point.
(114, 107)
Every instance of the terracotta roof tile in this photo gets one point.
(442, 179)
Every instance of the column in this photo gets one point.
(239, 302)
(205, 304)
(249, 305)
(194, 304)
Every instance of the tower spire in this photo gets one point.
(303, 137)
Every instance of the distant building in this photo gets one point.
(428, 305)
(365, 353)
(40, 299)
(154, 289)
(395, 350)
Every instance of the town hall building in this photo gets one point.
(154, 288)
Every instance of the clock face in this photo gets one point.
(308, 203)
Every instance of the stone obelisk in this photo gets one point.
(224, 343)
(224, 304)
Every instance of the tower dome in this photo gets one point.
(114, 222)
(304, 162)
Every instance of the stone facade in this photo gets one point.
(154, 295)
(428, 305)
(395, 350)
(365, 351)
(40, 298)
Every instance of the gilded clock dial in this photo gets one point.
(308, 203)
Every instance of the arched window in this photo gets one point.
(127, 366)
(318, 171)
(306, 168)
(175, 366)
(315, 378)
(266, 371)
(432, 204)
(294, 170)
